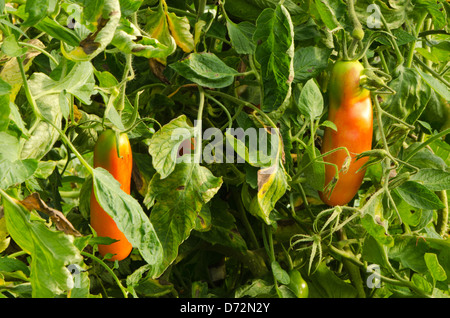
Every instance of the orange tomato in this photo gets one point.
(105, 156)
(350, 109)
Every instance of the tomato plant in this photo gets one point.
(334, 185)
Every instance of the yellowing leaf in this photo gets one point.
(179, 27)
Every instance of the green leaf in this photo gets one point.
(274, 52)
(310, 101)
(129, 217)
(410, 99)
(10, 147)
(241, 36)
(419, 196)
(16, 172)
(5, 111)
(309, 62)
(327, 285)
(374, 252)
(436, 270)
(432, 179)
(37, 10)
(51, 251)
(165, 143)
(189, 187)
(435, 84)
(223, 229)
(327, 15)
(79, 81)
(315, 172)
(372, 219)
(280, 274)
(253, 156)
(128, 7)
(11, 48)
(410, 251)
(205, 69)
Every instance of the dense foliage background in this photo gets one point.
(69, 69)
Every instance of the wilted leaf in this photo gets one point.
(179, 28)
(272, 184)
(34, 202)
(137, 44)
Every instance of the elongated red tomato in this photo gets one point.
(350, 109)
(105, 156)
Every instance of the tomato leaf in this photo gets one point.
(310, 101)
(189, 187)
(179, 28)
(165, 143)
(272, 184)
(133, 42)
(419, 196)
(372, 219)
(432, 179)
(309, 62)
(274, 52)
(16, 172)
(241, 36)
(51, 251)
(205, 69)
(436, 270)
(129, 217)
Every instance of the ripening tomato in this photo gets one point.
(120, 167)
(350, 109)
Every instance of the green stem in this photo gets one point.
(109, 270)
(398, 53)
(244, 219)
(198, 127)
(296, 177)
(398, 282)
(250, 105)
(442, 220)
(412, 48)
(28, 94)
(426, 143)
(230, 119)
(433, 72)
(51, 57)
(353, 271)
